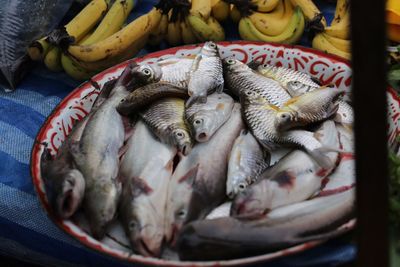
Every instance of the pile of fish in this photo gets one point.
(167, 143)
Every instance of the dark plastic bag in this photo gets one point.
(21, 22)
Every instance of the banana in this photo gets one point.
(119, 41)
(287, 36)
(235, 14)
(298, 31)
(273, 23)
(341, 44)
(198, 36)
(340, 29)
(160, 32)
(206, 30)
(201, 8)
(220, 10)
(321, 43)
(52, 60)
(342, 7)
(38, 49)
(74, 70)
(310, 11)
(265, 5)
(112, 21)
(245, 32)
(174, 36)
(188, 36)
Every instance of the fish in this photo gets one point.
(143, 96)
(97, 157)
(296, 177)
(285, 76)
(141, 75)
(165, 118)
(222, 210)
(229, 237)
(311, 107)
(145, 172)
(238, 77)
(205, 75)
(174, 70)
(205, 119)
(259, 116)
(247, 161)
(199, 180)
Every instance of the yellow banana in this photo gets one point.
(341, 44)
(74, 70)
(219, 33)
(188, 36)
(174, 36)
(220, 9)
(235, 14)
(273, 23)
(199, 37)
(342, 7)
(286, 36)
(340, 29)
(298, 31)
(310, 11)
(52, 60)
(201, 8)
(321, 43)
(160, 32)
(119, 41)
(265, 5)
(38, 49)
(245, 33)
(207, 30)
(112, 21)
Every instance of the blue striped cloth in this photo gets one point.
(25, 231)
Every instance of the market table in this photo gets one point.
(26, 233)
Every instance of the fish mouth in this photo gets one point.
(67, 205)
(202, 136)
(185, 149)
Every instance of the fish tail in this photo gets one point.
(320, 158)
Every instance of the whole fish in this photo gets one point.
(65, 184)
(174, 70)
(343, 176)
(311, 107)
(145, 171)
(97, 157)
(199, 180)
(205, 119)
(247, 161)
(146, 95)
(294, 178)
(166, 120)
(228, 238)
(259, 116)
(238, 77)
(205, 74)
(283, 75)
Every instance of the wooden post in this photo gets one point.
(368, 33)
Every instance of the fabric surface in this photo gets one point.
(26, 232)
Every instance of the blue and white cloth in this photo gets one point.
(26, 232)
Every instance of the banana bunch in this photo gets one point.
(189, 22)
(270, 21)
(96, 39)
(335, 38)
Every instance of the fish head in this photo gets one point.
(296, 88)
(285, 119)
(250, 97)
(210, 49)
(182, 139)
(250, 202)
(100, 204)
(232, 65)
(148, 73)
(239, 183)
(204, 124)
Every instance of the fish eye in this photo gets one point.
(212, 45)
(285, 116)
(146, 71)
(198, 122)
(181, 213)
(133, 225)
(230, 61)
(242, 186)
(264, 65)
(249, 93)
(122, 100)
(180, 134)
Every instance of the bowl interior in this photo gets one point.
(328, 69)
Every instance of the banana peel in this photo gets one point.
(394, 32)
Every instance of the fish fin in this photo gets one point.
(195, 99)
(139, 186)
(196, 62)
(320, 158)
(104, 94)
(291, 101)
(254, 64)
(220, 87)
(331, 110)
(317, 81)
(45, 159)
(190, 176)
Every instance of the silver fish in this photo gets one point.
(222, 210)
(97, 157)
(145, 171)
(228, 238)
(246, 162)
(166, 120)
(238, 77)
(259, 116)
(206, 118)
(198, 183)
(205, 74)
(294, 178)
(174, 70)
(311, 107)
